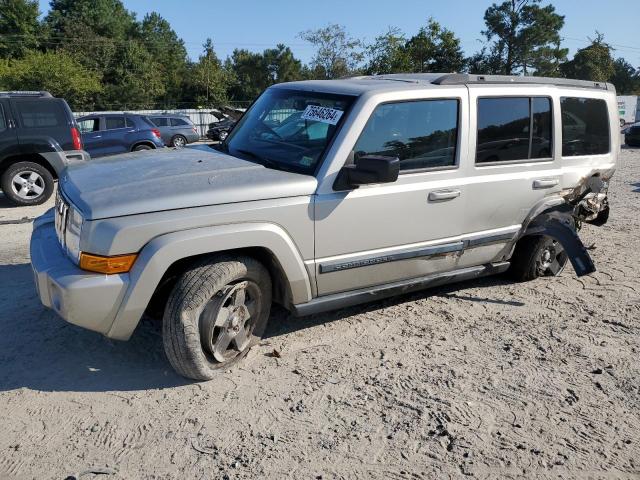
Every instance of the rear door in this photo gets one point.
(115, 134)
(8, 137)
(514, 163)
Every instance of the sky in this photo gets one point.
(260, 24)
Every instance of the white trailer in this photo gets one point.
(628, 108)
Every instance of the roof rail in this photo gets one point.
(26, 93)
(473, 79)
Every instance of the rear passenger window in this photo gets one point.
(89, 125)
(178, 122)
(422, 134)
(40, 113)
(513, 128)
(111, 123)
(585, 126)
(160, 121)
(3, 121)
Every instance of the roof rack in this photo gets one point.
(25, 93)
(469, 79)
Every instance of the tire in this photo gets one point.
(207, 309)
(537, 256)
(140, 148)
(27, 183)
(178, 141)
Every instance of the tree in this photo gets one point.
(249, 76)
(522, 33)
(169, 53)
(19, 27)
(483, 62)
(547, 60)
(387, 54)
(133, 80)
(593, 62)
(208, 80)
(56, 72)
(254, 72)
(337, 53)
(434, 49)
(625, 77)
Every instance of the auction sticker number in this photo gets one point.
(322, 114)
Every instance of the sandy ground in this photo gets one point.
(487, 378)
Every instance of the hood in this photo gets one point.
(156, 180)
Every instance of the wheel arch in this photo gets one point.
(143, 142)
(28, 157)
(166, 256)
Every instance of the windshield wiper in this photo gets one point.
(263, 160)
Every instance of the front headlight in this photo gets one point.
(72, 234)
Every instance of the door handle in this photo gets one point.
(441, 195)
(97, 136)
(545, 183)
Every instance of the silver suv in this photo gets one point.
(329, 194)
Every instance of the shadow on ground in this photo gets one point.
(40, 351)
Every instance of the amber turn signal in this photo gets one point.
(108, 265)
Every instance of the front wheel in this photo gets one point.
(537, 256)
(217, 311)
(27, 183)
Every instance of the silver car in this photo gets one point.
(176, 130)
(329, 194)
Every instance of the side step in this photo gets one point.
(370, 294)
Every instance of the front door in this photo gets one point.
(378, 234)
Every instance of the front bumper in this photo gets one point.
(89, 300)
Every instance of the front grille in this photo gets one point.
(61, 215)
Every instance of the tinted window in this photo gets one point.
(3, 121)
(179, 122)
(503, 129)
(514, 128)
(541, 136)
(128, 122)
(422, 134)
(585, 126)
(89, 125)
(114, 122)
(40, 113)
(160, 121)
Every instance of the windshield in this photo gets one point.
(288, 129)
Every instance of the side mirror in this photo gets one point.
(367, 170)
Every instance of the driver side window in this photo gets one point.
(422, 134)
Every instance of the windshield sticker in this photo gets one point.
(322, 114)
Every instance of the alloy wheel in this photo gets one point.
(28, 184)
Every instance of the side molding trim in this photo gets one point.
(355, 297)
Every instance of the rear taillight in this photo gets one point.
(76, 138)
(156, 132)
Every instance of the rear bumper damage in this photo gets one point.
(586, 203)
